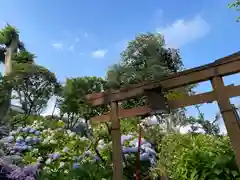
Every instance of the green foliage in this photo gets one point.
(236, 6)
(180, 157)
(64, 154)
(196, 156)
(129, 125)
(145, 59)
(73, 103)
(7, 33)
(209, 127)
(23, 57)
(33, 85)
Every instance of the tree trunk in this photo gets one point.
(12, 48)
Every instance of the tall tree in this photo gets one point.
(145, 59)
(10, 44)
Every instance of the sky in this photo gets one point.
(83, 38)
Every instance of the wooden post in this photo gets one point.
(229, 117)
(116, 143)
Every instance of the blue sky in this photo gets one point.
(77, 38)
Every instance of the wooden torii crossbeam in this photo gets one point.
(214, 72)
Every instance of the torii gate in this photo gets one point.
(214, 72)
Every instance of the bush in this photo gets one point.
(62, 153)
(196, 156)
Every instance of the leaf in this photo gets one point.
(234, 173)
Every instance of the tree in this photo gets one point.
(200, 123)
(235, 5)
(9, 43)
(33, 86)
(145, 59)
(74, 105)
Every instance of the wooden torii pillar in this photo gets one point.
(214, 72)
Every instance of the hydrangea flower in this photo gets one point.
(27, 173)
(32, 130)
(10, 139)
(56, 155)
(37, 133)
(88, 153)
(48, 161)
(28, 139)
(19, 139)
(130, 150)
(76, 165)
(12, 133)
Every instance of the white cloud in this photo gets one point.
(182, 32)
(57, 45)
(99, 53)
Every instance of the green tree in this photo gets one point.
(200, 123)
(33, 86)
(10, 44)
(73, 104)
(145, 59)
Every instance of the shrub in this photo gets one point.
(196, 156)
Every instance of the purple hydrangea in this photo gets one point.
(27, 173)
(55, 155)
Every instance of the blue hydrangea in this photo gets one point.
(34, 140)
(55, 155)
(96, 158)
(32, 130)
(28, 139)
(24, 129)
(130, 150)
(50, 156)
(37, 133)
(149, 151)
(19, 139)
(144, 157)
(76, 165)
